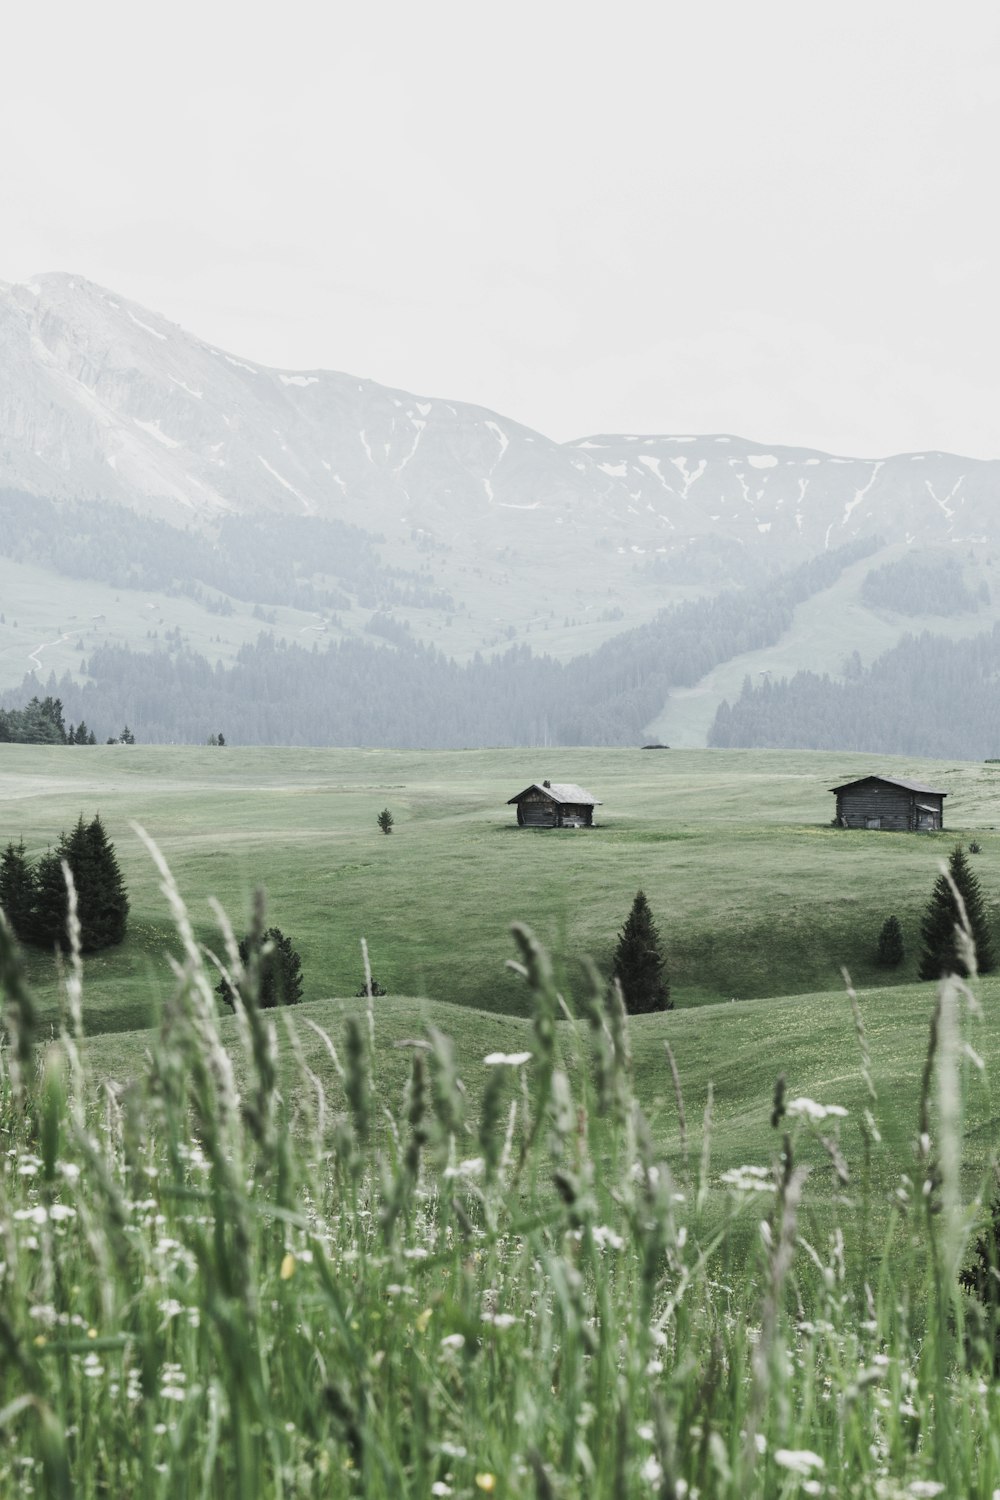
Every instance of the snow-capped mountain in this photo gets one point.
(101, 397)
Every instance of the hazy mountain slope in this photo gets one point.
(100, 396)
(826, 630)
(785, 499)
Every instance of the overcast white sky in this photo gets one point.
(771, 217)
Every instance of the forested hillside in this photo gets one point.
(306, 561)
(928, 696)
(925, 585)
(401, 693)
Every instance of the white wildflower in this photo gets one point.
(748, 1179)
(808, 1109)
(60, 1211)
(798, 1460)
(605, 1237)
(925, 1489)
(652, 1470)
(453, 1341)
(36, 1215)
(506, 1059)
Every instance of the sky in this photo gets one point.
(778, 219)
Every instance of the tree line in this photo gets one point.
(928, 696)
(308, 562)
(405, 694)
(929, 584)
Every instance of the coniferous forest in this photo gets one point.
(392, 690)
(928, 696)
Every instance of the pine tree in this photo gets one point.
(279, 971)
(639, 964)
(941, 953)
(890, 952)
(17, 888)
(102, 900)
(385, 820)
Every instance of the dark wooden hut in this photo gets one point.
(889, 802)
(554, 804)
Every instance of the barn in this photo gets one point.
(889, 802)
(554, 804)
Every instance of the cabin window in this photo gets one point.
(873, 822)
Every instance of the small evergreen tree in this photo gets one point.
(279, 970)
(377, 989)
(941, 953)
(17, 888)
(890, 952)
(639, 964)
(385, 820)
(102, 900)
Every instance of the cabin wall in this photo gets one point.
(876, 806)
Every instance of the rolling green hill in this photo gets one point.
(754, 892)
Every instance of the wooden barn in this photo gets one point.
(889, 802)
(554, 804)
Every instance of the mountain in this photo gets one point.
(324, 502)
(101, 397)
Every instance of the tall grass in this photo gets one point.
(213, 1289)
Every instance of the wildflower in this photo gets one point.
(287, 1267)
(60, 1211)
(36, 1215)
(453, 1341)
(473, 1167)
(500, 1320)
(486, 1482)
(423, 1319)
(652, 1470)
(505, 1060)
(440, 1488)
(925, 1489)
(452, 1450)
(808, 1109)
(798, 1460)
(604, 1236)
(748, 1179)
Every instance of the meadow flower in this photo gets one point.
(808, 1109)
(36, 1215)
(748, 1179)
(798, 1460)
(506, 1059)
(652, 1470)
(453, 1341)
(486, 1482)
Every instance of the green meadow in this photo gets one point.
(476, 1237)
(761, 903)
(755, 894)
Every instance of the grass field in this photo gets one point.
(368, 1260)
(755, 894)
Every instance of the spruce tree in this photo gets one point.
(279, 971)
(639, 964)
(17, 888)
(890, 952)
(102, 900)
(941, 954)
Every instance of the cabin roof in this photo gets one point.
(559, 791)
(908, 786)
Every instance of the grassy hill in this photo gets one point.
(755, 894)
(593, 1284)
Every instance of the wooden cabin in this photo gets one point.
(889, 802)
(554, 804)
